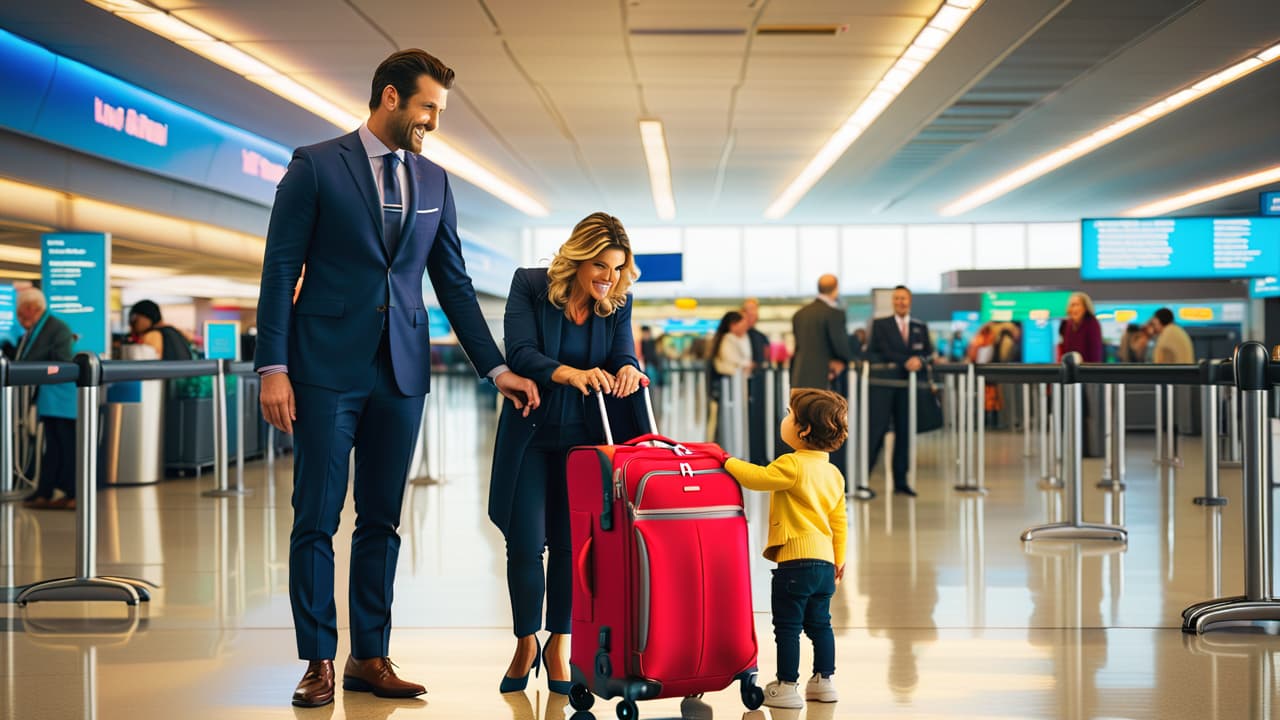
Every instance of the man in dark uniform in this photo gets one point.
(755, 384)
(900, 340)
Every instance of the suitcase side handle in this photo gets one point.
(582, 566)
(606, 483)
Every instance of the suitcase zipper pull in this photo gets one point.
(686, 470)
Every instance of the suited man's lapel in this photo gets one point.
(357, 162)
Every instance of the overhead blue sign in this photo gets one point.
(1270, 202)
(66, 102)
(1180, 248)
(660, 267)
(74, 269)
(10, 331)
(1264, 287)
(222, 340)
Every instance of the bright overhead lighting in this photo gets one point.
(936, 33)
(19, 255)
(257, 71)
(655, 154)
(1204, 194)
(1118, 129)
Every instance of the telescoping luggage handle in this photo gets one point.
(648, 409)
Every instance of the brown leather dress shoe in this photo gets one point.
(316, 686)
(378, 676)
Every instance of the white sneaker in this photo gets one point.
(780, 694)
(821, 689)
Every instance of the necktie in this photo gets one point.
(902, 328)
(392, 207)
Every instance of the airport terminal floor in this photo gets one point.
(943, 612)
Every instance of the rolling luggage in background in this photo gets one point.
(662, 588)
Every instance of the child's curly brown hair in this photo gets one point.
(821, 418)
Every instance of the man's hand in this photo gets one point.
(914, 363)
(276, 398)
(628, 381)
(520, 390)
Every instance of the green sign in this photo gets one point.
(1023, 306)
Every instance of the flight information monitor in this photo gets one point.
(1179, 248)
(1270, 202)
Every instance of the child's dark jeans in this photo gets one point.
(802, 591)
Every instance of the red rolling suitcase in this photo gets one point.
(662, 591)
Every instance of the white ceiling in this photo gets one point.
(549, 94)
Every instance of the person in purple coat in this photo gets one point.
(1081, 331)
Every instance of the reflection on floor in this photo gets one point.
(943, 612)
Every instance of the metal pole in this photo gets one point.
(864, 429)
(771, 414)
(962, 432)
(7, 427)
(1209, 441)
(742, 415)
(851, 456)
(1042, 417)
(1058, 470)
(86, 483)
(1233, 426)
(1257, 496)
(981, 401)
(239, 434)
(724, 432)
(1026, 420)
(1169, 438)
(1119, 429)
(221, 451)
(675, 418)
(1075, 439)
(1159, 454)
(1106, 434)
(912, 390)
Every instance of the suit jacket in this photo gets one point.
(886, 343)
(328, 216)
(51, 343)
(820, 338)
(532, 337)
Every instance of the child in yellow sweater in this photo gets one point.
(807, 530)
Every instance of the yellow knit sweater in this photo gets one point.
(807, 516)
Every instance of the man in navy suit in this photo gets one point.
(904, 342)
(348, 364)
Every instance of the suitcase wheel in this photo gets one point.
(752, 696)
(581, 698)
(627, 710)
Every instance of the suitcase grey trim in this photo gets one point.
(644, 479)
(642, 626)
(708, 513)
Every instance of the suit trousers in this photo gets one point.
(890, 405)
(381, 423)
(58, 463)
(540, 519)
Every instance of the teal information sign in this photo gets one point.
(9, 329)
(74, 269)
(222, 340)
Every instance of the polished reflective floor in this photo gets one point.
(944, 612)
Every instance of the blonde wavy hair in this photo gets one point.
(596, 233)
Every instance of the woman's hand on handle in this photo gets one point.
(629, 380)
(585, 381)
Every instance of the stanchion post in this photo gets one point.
(1159, 454)
(1026, 420)
(851, 455)
(771, 414)
(742, 423)
(1106, 436)
(1252, 377)
(864, 429)
(1057, 437)
(1170, 436)
(971, 422)
(724, 431)
(980, 401)
(1115, 438)
(1209, 435)
(913, 384)
(1073, 415)
(221, 452)
(87, 585)
(1042, 418)
(7, 491)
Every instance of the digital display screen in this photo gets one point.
(1270, 203)
(1021, 306)
(1264, 287)
(1179, 248)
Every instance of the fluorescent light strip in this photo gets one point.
(256, 71)
(1048, 163)
(936, 33)
(1204, 194)
(655, 154)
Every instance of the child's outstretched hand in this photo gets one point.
(723, 457)
(839, 574)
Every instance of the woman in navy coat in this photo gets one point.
(568, 328)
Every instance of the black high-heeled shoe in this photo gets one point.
(561, 687)
(516, 684)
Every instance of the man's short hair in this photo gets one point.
(32, 296)
(896, 288)
(402, 69)
(1165, 316)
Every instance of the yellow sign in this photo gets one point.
(1200, 314)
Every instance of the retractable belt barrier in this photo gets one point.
(90, 374)
(15, 375)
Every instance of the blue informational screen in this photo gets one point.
(1270, 203)
(10, 330)
(74, 269)
(660, 267)
(1179, 248)
(65, 102)
(691, 326)
(1039, 341)
(222, 340)
(1264, 287)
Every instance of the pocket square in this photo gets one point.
(424, 212)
